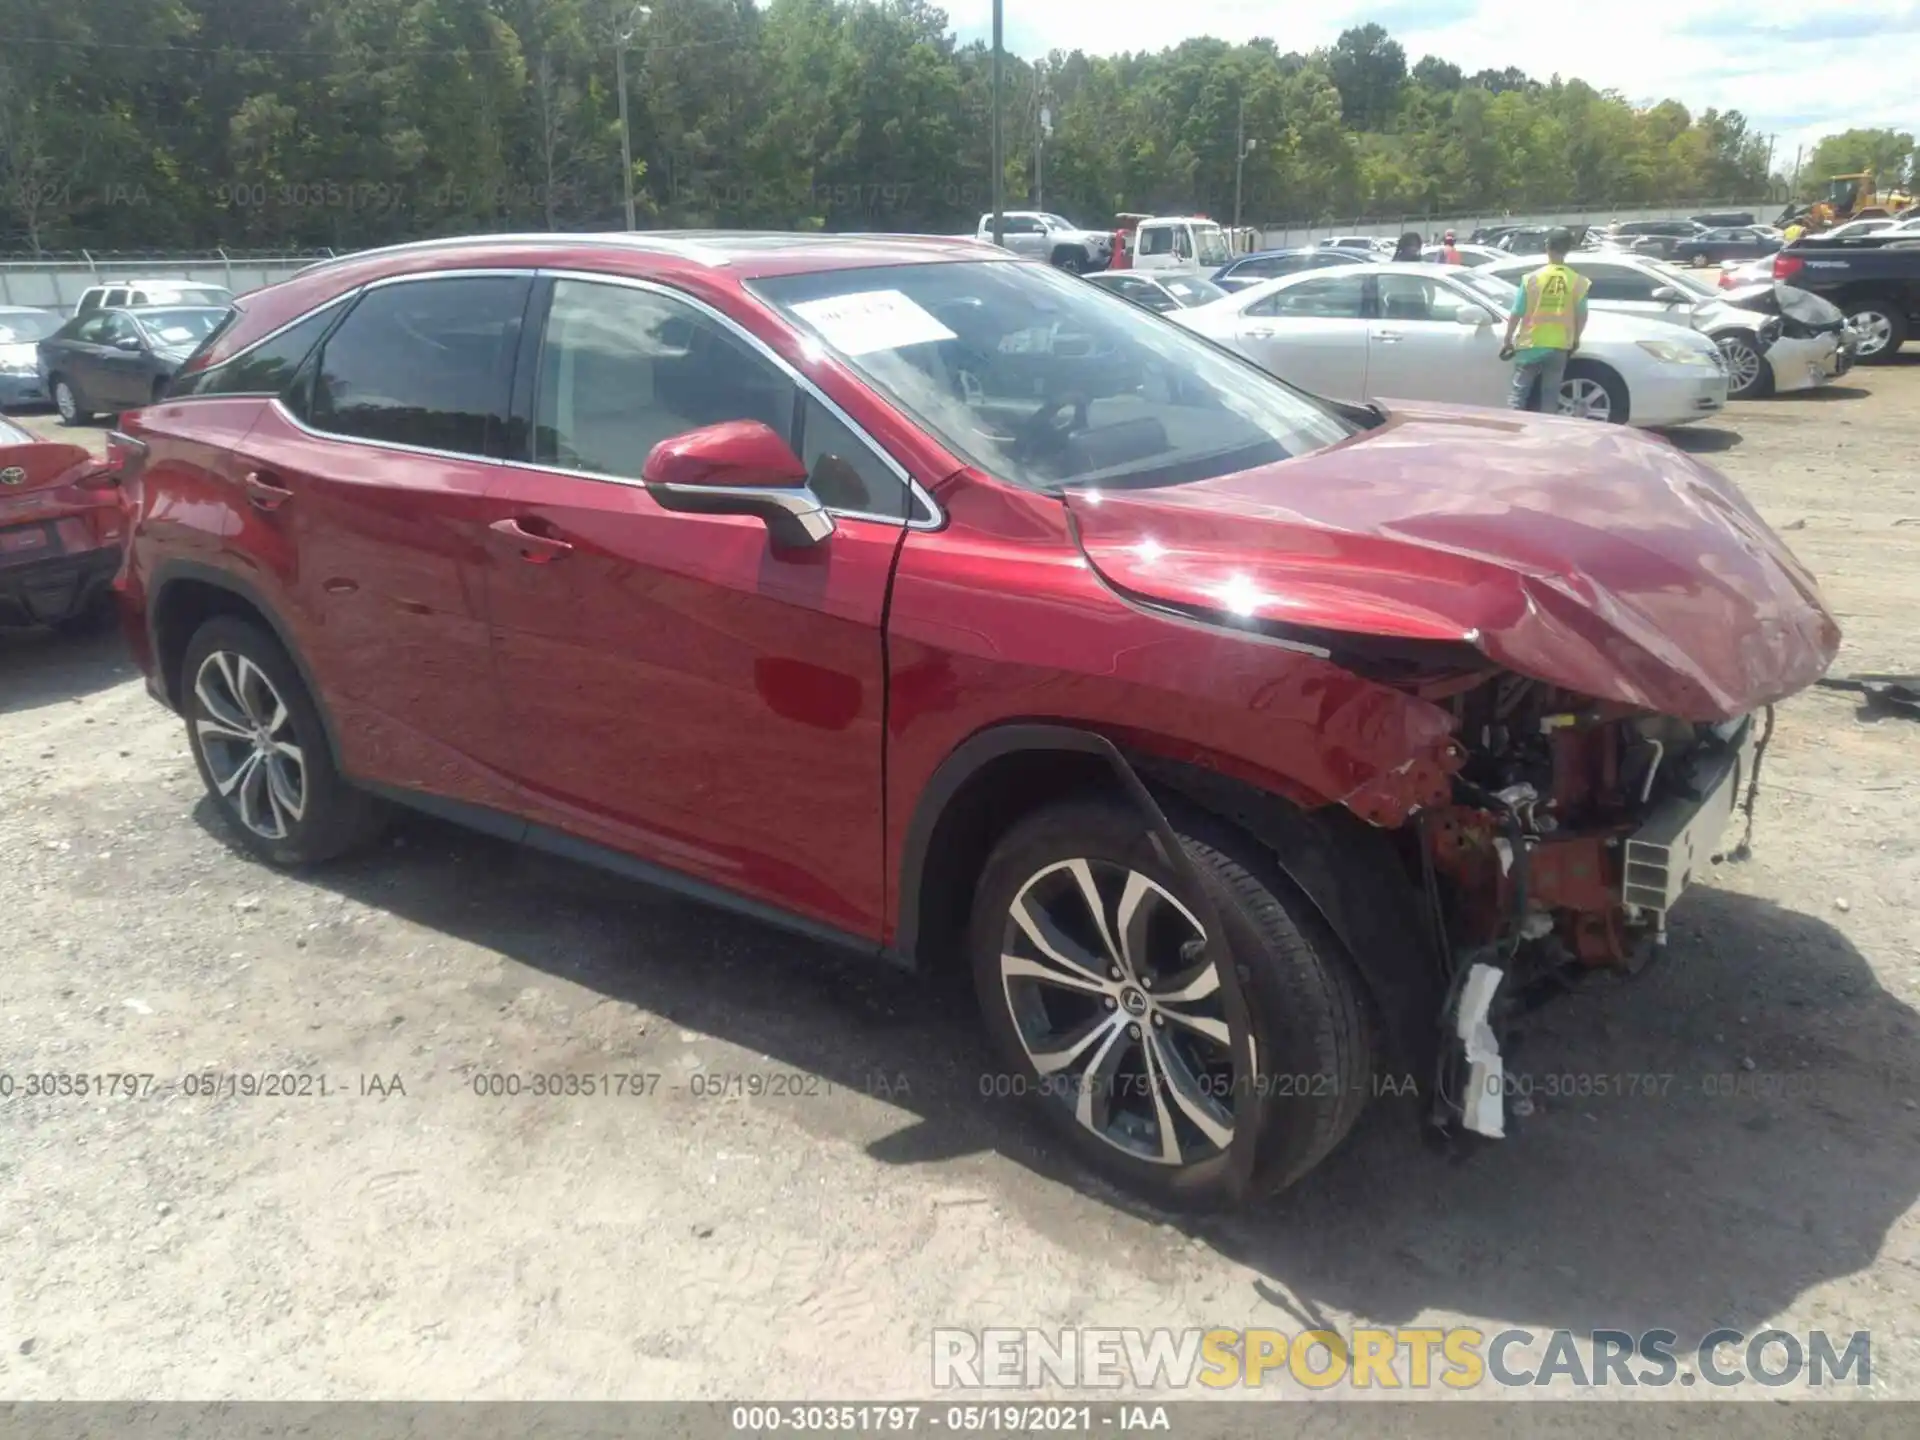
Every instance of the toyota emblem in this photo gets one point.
(13, 475)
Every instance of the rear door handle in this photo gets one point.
(534, 549)
(262, 493)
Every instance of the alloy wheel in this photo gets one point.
(1875, 332)
(1120, 1010)
(1585, 398)
(64, 402)
(1743, 364)
(246, 734)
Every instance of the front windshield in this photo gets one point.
(174, 329)
(1212, 243)
(1044, 381)
(19, 329)
(1192, 290)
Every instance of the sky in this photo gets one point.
(1797, 69)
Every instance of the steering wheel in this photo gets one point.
(1059, 418)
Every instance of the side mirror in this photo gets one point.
(1472, 316)
(129, 342)
(1667, 295)
(740, 467)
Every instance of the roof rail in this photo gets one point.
(659, 242)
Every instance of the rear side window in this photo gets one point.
(426, 363)
(266, 369)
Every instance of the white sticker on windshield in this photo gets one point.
(872, 320)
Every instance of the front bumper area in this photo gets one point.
(1676, 394)
(23, 390)
(1806, 363)
(48, 590)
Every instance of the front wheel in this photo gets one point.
(1091, 964)
(258, 741)
(1074, 262)
(1881, 328)
(1749, 376)
(1593, 392)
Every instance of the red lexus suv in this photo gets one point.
(1245, 747)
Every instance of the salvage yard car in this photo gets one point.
(1432, 332)
(934, 603)
(60, 530)
(21, 330)
(110, 358)
(1767, 350)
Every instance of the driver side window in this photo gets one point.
(1156, 240)
(1617, 282)
(1414, 297)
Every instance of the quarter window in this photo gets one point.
(427, 363)
(266, 369)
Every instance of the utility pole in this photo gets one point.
(1042, 134)
(1770, 140)
(1239, 160)
(620, 42)
(999, 165)
(1793, 185)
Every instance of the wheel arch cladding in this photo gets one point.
(186, 596)
(1350, 873)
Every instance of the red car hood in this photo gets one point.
(1589, 556)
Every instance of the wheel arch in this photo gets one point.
(1349, 873)
(184, 595)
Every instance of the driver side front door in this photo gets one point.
(1417, 349)
(677, 687)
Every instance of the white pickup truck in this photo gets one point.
(1048, 237)
(1180, 242)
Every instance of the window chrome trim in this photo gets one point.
(933, 519)
(305, 429)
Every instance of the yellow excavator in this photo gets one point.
(1849, 197)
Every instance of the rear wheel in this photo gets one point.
(1090, 961)
(1074, 262)
(67, 401)
(1593, 392)
(1881, 327)
(262, 751)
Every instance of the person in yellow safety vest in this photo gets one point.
(1543, 330)
(1794, 232)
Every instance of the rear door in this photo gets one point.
(1313, 333)
(368, 484)
(679, 688)
(1418, 349)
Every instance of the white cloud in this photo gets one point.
(1795, 68)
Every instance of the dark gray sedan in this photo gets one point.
(112, 360)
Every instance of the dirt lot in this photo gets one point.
(406, 1237)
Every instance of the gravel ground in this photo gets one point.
(404, 1236)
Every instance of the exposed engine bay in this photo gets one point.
(1574, 827)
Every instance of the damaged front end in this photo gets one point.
(1575, 826)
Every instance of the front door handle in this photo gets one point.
(534, 549)
(1389, 336)
(262, 493)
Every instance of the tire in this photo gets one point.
(1745, 358)
(294, 809)
(1074, 262)
(1581, 378)
(1884, 324)
(1309, 1016)
(67, 401)
(1700, 262)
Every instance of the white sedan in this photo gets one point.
(1432, 332)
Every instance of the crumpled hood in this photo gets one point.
(1593, 557)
